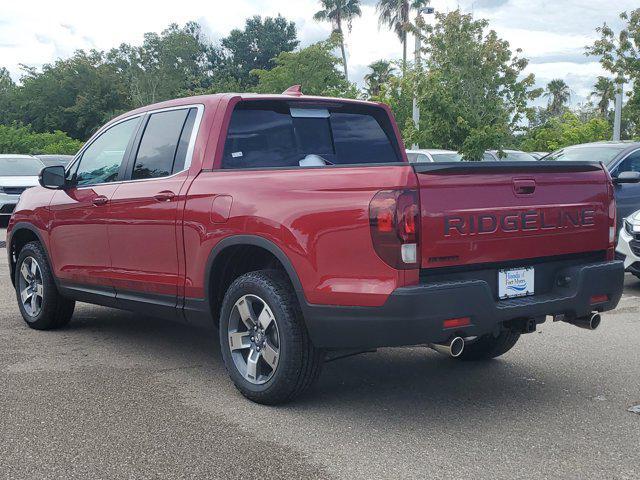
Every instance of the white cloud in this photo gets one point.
(551, 34)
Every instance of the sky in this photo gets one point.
(551, 34)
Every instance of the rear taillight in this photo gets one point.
(613, 237)
(394, 218)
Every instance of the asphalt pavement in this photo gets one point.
(116, 395)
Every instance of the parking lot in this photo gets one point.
(114, 395)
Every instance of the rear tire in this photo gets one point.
(489, 346)
(41, 305)
(265, 345)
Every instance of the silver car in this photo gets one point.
(17, 173)
(433, 155)
(509, 156)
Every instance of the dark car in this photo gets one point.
(50, 160)
(618, 157)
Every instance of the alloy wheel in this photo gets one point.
(31, 287)
(254, 339)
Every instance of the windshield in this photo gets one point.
(604, 153)
(519, 157)
(446, 157)
(20, 167)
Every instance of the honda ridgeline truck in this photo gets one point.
(296, 225)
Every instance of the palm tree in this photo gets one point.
(337, 12)
(396, 14)
(381, 73)
(604, 90)
(558, 94)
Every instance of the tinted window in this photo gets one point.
(156, 156)
(100, 162)
(629, 164)
(270, 137)
(604, 153)
(15, 167)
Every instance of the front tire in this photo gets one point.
(41, 305)
(265, 346)
(489, 346)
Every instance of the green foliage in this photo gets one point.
(75, 95)
(254, 48)
(396, 15)
(473, 95)
(22, 139)
(314, 67)
(381, 73)
(604, 93)
(566, 130)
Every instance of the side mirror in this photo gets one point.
(54, 177)
(627, 177)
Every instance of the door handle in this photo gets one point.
(524, 187)
(165, 196)
(100, 200)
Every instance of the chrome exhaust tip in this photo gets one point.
(453, 347)
(589, 322)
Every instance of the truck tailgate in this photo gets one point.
(474, 213)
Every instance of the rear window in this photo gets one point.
(604, 153)
(274, 134)
(446, 157)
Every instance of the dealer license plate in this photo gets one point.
(515, 282)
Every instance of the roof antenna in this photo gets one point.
(294, 91)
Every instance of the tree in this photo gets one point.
(314, 67)
(254, 48)
(473, 95)
(396, 14)
(338, 11)
(381, 73)
(7, 96)
(166, 65)
(604, 92)
(620, 55)
(565, 130)
(75, 95)
(558, 94)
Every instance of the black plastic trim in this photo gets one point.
(415, 315)
(528, 166)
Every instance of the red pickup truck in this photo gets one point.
(297, 226)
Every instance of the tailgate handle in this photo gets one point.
(524, 187)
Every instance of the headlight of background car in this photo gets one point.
(628, 228)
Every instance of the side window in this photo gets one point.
(164, 144)
(100, 162)
(629, 164)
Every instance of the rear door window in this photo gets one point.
(164, 143)
(267, 136)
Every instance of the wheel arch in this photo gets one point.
(21, 234)
(263, 252)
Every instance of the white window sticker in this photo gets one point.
(236, 154)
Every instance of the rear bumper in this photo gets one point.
(415, 315)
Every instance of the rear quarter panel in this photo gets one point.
(318, 217)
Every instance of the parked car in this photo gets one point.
(509, 156)
(50, 160)
(433, 155)
(628, 247)
(619, 158)
(17, 173)
(296, 225)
